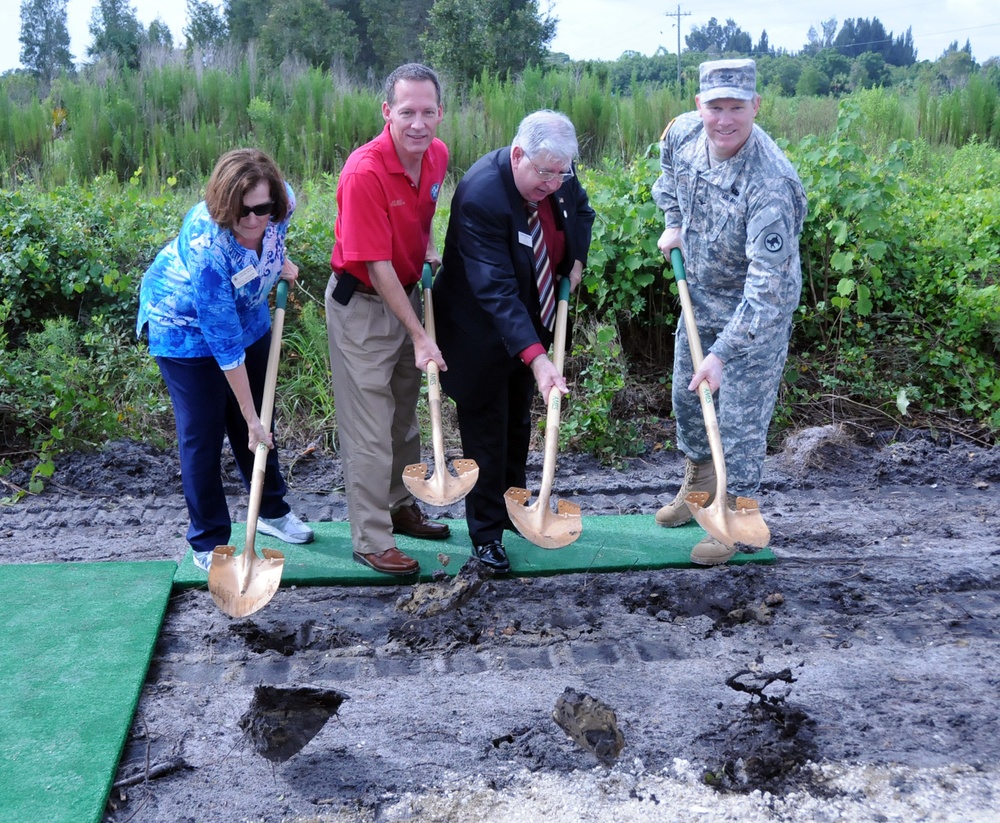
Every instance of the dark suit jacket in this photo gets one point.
(485, 295)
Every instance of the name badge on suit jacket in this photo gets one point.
(524, 239)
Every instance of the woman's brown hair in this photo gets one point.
(237, 172)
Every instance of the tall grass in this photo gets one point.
(954, 118)
(173, 119)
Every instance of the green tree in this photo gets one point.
(45, 38)
(465, 38)
(736, 41)
(812, 82)
(868, 71)
(816, 42)
(715, 39)
(244, 18)
(902, 51)
(955, 65)
(386, 28)
(206, 28)
(707, 38)
(835, 68)
(311, 29)
(117, 32)
(763, 46)
(782, 72)
(159, 34)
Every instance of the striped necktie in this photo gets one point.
(543, 270)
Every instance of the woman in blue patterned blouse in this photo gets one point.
(204, 306)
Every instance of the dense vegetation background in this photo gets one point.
(899, 321)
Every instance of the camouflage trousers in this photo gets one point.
(744, 405)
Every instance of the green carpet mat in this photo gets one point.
(609, 543)
(75, 644)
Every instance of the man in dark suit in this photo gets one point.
(494, 320)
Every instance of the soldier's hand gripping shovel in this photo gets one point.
(745, 525)
(537, 522)
(243, 584)
(441, 488)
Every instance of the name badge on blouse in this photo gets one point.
(244, 276)
(524, 239)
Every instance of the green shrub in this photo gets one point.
(899, 259)
(79, 251)
(598, 416)
(625, 281)
(72, 387)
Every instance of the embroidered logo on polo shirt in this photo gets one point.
(435, 189)
(397, 202)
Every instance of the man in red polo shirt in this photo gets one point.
(386, 197)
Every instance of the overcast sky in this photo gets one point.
(603, 29)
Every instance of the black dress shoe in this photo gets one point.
(411, 521)
(492, 554)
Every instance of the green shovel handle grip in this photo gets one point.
(677, 261)
(281, 295)
(564, 288)
(427, 279)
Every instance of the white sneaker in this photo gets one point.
(288, 529)
(203, 560)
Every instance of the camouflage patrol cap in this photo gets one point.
(729, 79)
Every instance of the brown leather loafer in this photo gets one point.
(412, 522)
(391, 561)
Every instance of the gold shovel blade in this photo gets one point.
(243, 584)
(441, 488)
(539, 524)
(745, 525)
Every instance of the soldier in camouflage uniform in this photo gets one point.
(734, 206)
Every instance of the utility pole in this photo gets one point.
(678, 14)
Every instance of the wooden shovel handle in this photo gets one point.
(266, 413)
(433, 378)
(704, 390)
(554, 403)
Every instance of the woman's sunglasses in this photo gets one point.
(260, 210)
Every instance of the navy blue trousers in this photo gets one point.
(496, 435)
(205, 411)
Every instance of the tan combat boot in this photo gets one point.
(711, 552)
(698, 477)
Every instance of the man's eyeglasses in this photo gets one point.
(260, 210)
(547, 176)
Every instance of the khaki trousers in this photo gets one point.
(376, 384)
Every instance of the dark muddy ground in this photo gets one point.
(857, 679)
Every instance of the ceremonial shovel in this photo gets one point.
(441, 488)
(537, 522)
(745, 525)
(241, 585)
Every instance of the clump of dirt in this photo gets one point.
(768, 745)
(743, 596)
(281, 721)
(447, 594)
(591, 724)
(289, 639)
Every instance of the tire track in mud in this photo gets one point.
(880, 617)
(846, 641)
